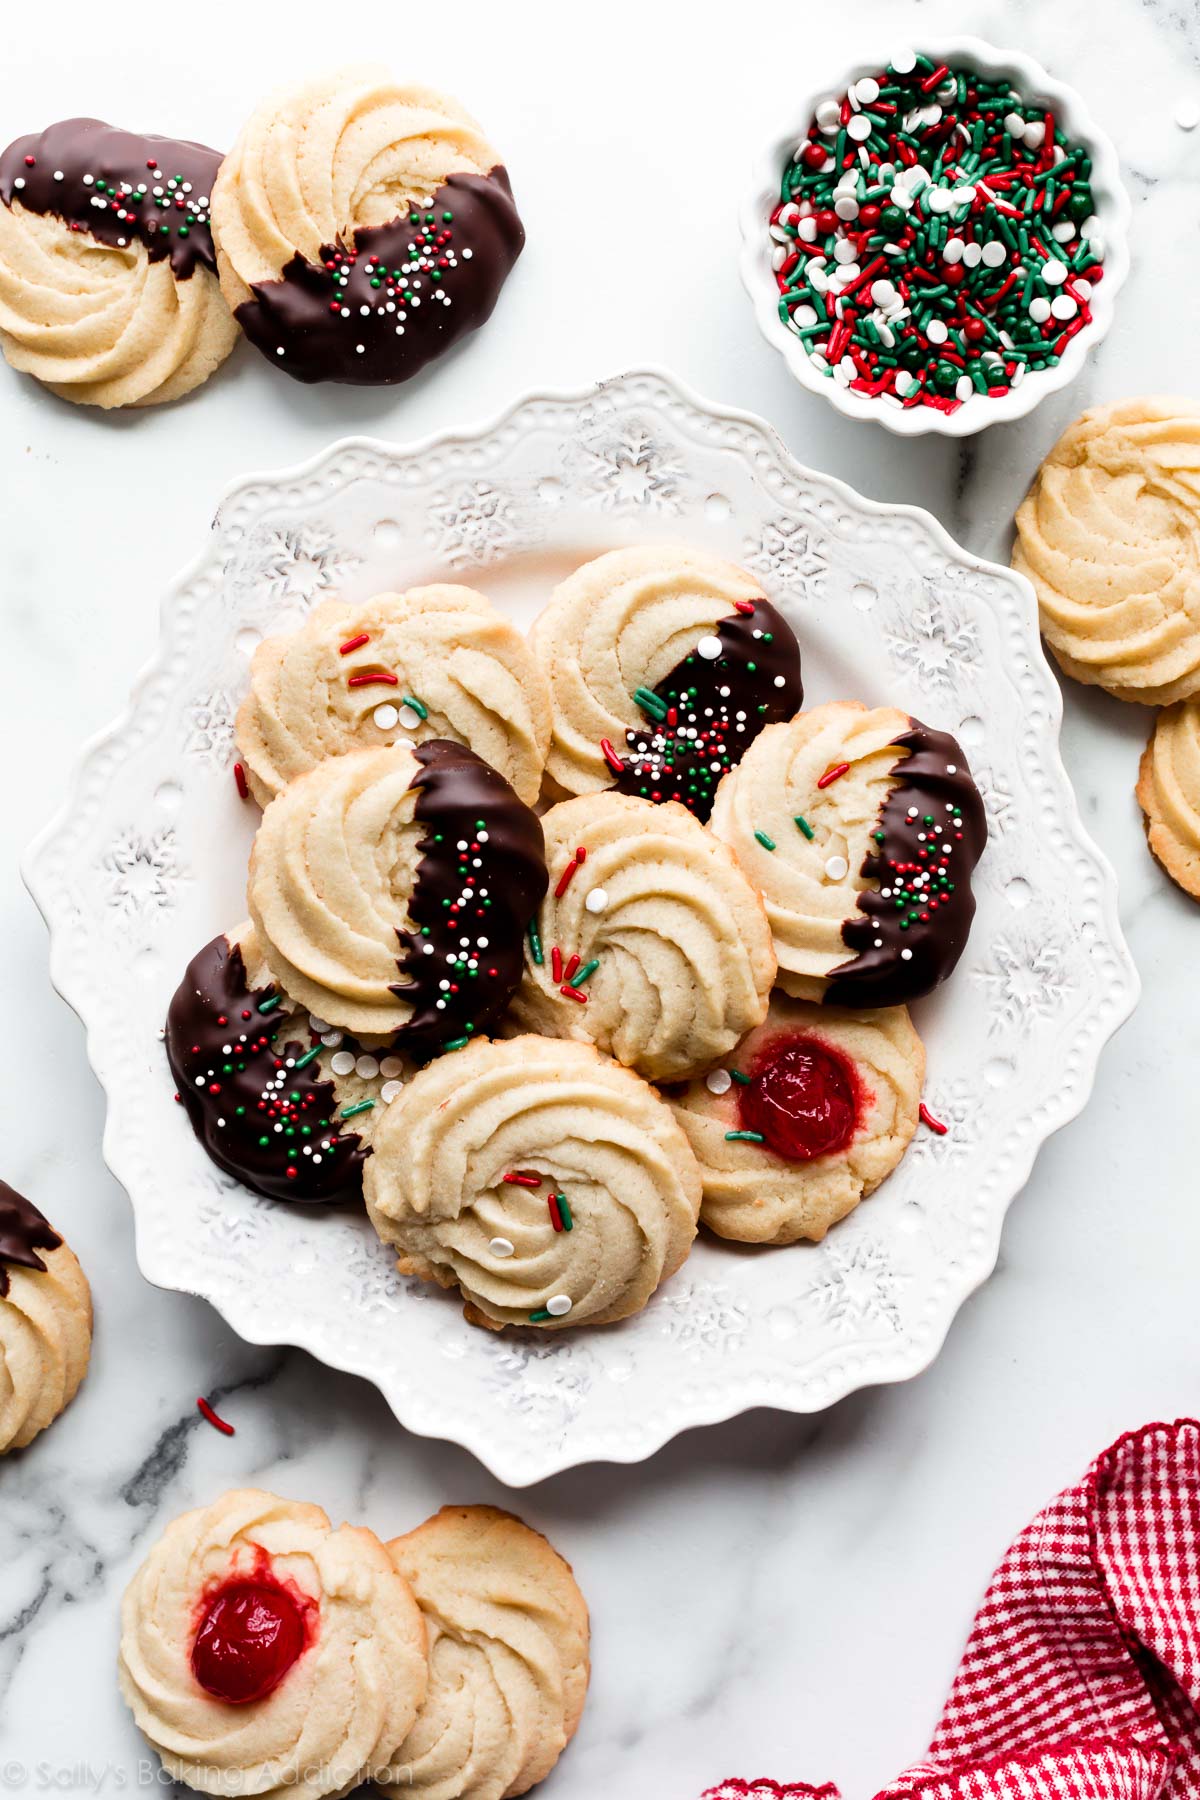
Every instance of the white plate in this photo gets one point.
(147, 862)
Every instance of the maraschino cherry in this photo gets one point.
(802, 1099)
(250, 1633)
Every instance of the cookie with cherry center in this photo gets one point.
(811, 1114)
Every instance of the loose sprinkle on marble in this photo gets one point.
(214, 1418)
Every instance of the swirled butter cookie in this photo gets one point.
(391, 890)
(651, 944)
(437, 662)
(550, 1184)
(1109, 535)
(817, 1106)
(860, 829)
(264, 1653)
(508, 1657)
(108, 284)
(664, 664)
(1168, 792)
(279, 1098)
(45, 1322)
(363, 225)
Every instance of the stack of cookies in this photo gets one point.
(559, 945)
(264, 1652)
(1109, 535)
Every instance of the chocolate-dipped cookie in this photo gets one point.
(362, 227)
(45, 1322)
(392, 890)
(861, 830)
(664, 664)
(108, 288)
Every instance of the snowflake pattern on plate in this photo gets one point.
(1026, 982)
(788, 555)
(142, 874)
(472, 524)
(703, 1315)
(997, 800)
(304, 561)
(1044, 980)
(210, 731)
(631, 471)
(932, 640)
(858, 1285)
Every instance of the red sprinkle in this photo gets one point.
(834, 773)
(354, 643)
(572, 966)
(744, 606)
(573, 993)
(556, 965)
(526, 1178)
(556, 1218)
(564, 880)
(239, 776)
(610, 756)
(381, 679)
(927, 1118)
(207, 1412)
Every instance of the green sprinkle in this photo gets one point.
(743, 1137)
(805, 827)
(589, 968)
(540, 1316)
(766, 842)
(270, 1001)
(421, 711)
(742, 1080)
(348, 1112)
(535, 943)
(309, 1056)
(456, 1043)
(651, 703)
(564, 1212)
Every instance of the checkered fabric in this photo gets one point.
(1081, 1678)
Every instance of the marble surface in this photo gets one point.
(774, 1596)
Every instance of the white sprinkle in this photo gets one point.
(953, 253)
(964, 387)
(342, 1063)
(391, 1066)
(19, 181)
(867, 90)
(1054, 273)
(709, 648)
(1063, 307)
(58, 176)
(1062, 231)
(972, 256)
(279, 350)
(389, 1090)
(940, 200)
(361, 348)
(1034, 134)
(952, 768)
(501, 1247)
(367, 1067)
(409, 718)
(858, 128)
(837, 868)
(385, 716)
(1039, 309)
(718, 1081)
(906, 956)
(1014, 124)
(331, 1039)
(904, 61)
(994, 254)
(558, 1305)
(882, 293)
(597, 900)
(781, 681)
(936, 331)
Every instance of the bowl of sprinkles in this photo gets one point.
(937, 243)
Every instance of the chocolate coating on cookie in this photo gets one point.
(910, 932)
(480, 880)
(118, 185)
(23, 1232)
(377, 310)
(270, 1126)
(725, 698)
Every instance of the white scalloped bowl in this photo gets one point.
(981, 410)
(147, 862)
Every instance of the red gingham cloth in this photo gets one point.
(1081, 1678)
